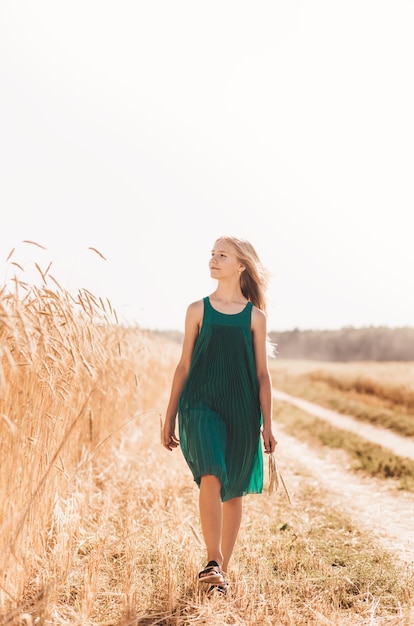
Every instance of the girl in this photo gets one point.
(222, 392)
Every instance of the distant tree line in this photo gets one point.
(347, 344)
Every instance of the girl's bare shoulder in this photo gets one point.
(259, 319)
(195, 310)
(197, 305)
(258, 313)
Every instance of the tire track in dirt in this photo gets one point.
(378, 506)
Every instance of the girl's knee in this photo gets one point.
(210, 481)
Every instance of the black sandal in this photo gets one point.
(211, 574)
(221, 590)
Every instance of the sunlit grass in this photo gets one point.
(137, 549)
(379, 393)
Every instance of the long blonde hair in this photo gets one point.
(254, 280)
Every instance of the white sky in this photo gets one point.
(146, 129)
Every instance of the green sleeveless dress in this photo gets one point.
(219, 413)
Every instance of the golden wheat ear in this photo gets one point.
(275, 478)
(273, 474)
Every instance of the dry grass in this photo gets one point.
(99, 523)
(126, 550)
(379, 393)
(383, 375)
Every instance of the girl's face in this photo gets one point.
(224, 262)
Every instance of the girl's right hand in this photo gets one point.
(269, 440)
(169, 438)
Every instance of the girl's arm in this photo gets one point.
(193, 321)
(259, 330)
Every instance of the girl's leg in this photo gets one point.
(211, 516)
(232, 515)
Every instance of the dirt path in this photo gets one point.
(403, 446)
(375, 504)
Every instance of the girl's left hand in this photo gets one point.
(269, 440)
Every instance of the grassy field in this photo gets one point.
(379, 393)
(99, 524)
(363, 456)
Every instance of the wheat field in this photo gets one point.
(99, 523)
(71, 380)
